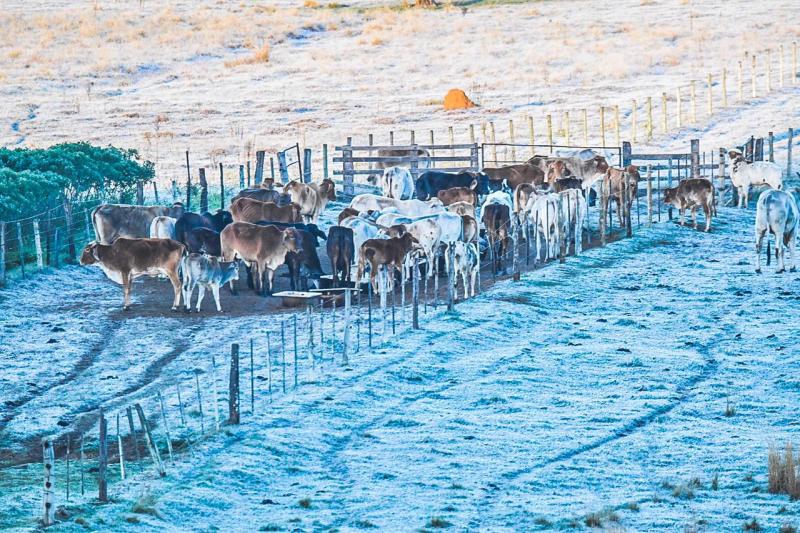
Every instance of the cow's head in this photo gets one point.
(230, 271)
(268, 183)
(601, 163)
(89, 255)
(372, 179)
(473, 184)
(394, 232)
(177, 210)
(328, 189)
(292, 240)
(483, 187)
(671, 196)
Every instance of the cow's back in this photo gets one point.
(112, 221)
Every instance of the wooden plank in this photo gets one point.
(373, 171)
(656, 157)
(367, 148)
(151, 444)
(400, 159)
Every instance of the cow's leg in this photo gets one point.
(707, 212)
(681, 211)
(792, 245)
(215, 293)
(760, 232)
(780, 251)
(474, 278)
(694, 216)
(745, 196)
(188, 289)
(201, 292)
(176, 287)
(126, 290)
(270, 278)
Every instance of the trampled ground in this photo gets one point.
(598, 385)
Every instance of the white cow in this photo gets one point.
(778, 213)
(411, 208)
(203, 271)
(574, 211)
(501, 197)
(397, 183)
(543, 213)
(163, 228)
(363, 229)
(467, 263)
(425, 229)
(744, 175)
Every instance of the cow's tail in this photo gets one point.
(769, 251)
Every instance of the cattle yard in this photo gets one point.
(643, 384)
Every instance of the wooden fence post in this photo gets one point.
(166, 426)
(325, 161)
(678, 121)
(794, 62)
(391, 138)
(549, 122)
(151, 444)
(249, 174)
(753, 75)
(188, 183)
(102, 485)
(347, 168)
(771, 147)
(3, 253)
(664, 113)
(627, 154)
(48, 499)
(740, 81)
(585, 120)
(233, 386)
(221, 188)
(789, 141)
(633, 120)
(472, 133)
(531, 137)
(695, 157)
(306, 165)
(121, 453)
(203, 191)
(37, 240)
(451, 135)
(780, 67)
(259, 175)
(602, 211)
(603, 126)
(283, 170)
(413, 137)
(346, 339)
(21, 248)
(616, 126)
(693, 101)
(139, 193)
(241, 177)
(494, 142)
(513, 141)
(710, 95)
(649, 118)
(155, 191)
(724, 87)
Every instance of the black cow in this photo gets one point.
(431, 182)
(203, 240)
(189, 221)
(341, 252)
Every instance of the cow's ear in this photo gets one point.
(94, 251)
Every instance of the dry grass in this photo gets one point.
(259, 56)
(782, 473)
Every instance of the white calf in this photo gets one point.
(412, 208)
(744, 175)
(397, 183)
(466, 262)
(203, 271)
(778, 213)
(574, 211)
(543, 212)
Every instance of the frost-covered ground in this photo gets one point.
(591, 386)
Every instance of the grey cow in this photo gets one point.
(203, 271)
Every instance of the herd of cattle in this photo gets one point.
(457, 215)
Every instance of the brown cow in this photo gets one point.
(514, 175)
(250, 210)
(585, 164)
(565, 184)
(691, 193)
(390, 252)
(264, 195)
(112, 221)
(459, 194)
(615, 180)
(497, 221)
(522, 193)
(341, 251)
(311, 197)
(557, 170)
(264, 247)
(126, 259)
(347, 212)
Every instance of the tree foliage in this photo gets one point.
(32, 179)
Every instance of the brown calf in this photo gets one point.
(126, 259)
(689, 194)
(497, 221)
(311, 197)
(389, 252)
(615, 184)
(250, 210)
(514, 175)
(264, 247)
(459, 194)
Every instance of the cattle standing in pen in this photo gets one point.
(431, 182)
(189, 221)
(265, 247)
(514, 175)
(341, 252)
(467, 263)
(249, 210)
(372, 202)
(778, 213)
(112, 221)
(459, 195)
(312, 198)
(691, 194)
(162, 228)
(201, 271)
(390, 253)
(496, 219)
(397, 183)
(745, 175)
(126, 259)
